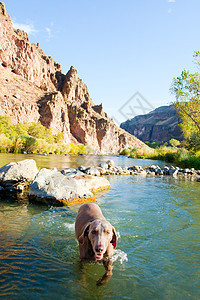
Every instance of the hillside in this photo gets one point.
(160, 125)
(33, 88)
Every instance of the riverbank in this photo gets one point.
(177, 156)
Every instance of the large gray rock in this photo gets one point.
(20, 172)
(51, 184)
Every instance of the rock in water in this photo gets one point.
(21, 172)
(51, 184)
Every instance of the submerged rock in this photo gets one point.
(22, 172)
(51, 184)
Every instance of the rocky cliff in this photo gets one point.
(160, 125)
(33, 88)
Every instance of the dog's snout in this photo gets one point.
(99, 249)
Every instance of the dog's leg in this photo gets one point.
(108, 264)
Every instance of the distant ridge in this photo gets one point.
(159, 125)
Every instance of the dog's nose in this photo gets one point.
(99, 249)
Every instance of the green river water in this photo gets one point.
(157, 220)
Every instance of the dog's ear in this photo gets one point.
(114, 238)
(84, 234)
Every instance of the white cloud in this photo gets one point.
(49, 32)
(171, 1)
(28, 28)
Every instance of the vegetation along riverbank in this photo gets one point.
(34, 138)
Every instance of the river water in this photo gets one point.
(157, 220)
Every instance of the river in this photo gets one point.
(157, 220)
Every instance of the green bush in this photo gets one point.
(153, 145)
(174, 143)
(125, 152)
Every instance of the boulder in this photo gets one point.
(110, 163)
(175, 174)
(73, 173)
(166, 171)
(158, 171)
(143, 172)
(93, 183)
(92, 171)
(54, 186)
(68, 170)
(82, 168)
(135, 168)
(18, 172)
(172, 170)
(103, 165)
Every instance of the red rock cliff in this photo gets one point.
(33, 88)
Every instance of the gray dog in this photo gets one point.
(96, 236)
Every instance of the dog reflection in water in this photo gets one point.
(96, 237)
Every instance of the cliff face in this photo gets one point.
(160, 125)
(33, 88)
(24, 58)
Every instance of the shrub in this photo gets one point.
(5, 144)
(153, 145)
(5, 123)
(174, 143)
(125, 152)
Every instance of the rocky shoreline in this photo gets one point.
(70, 185)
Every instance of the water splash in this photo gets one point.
(120, 255)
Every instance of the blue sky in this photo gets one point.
(118, 47)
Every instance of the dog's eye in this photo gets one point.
(94, 231)
(107, 231)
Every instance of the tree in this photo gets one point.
(174, 143)
(186, 89)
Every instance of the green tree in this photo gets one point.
(5, 123)
(37, 130)
(186, 89)
(194, 142)
(174, 143)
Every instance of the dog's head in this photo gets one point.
(100, 234)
